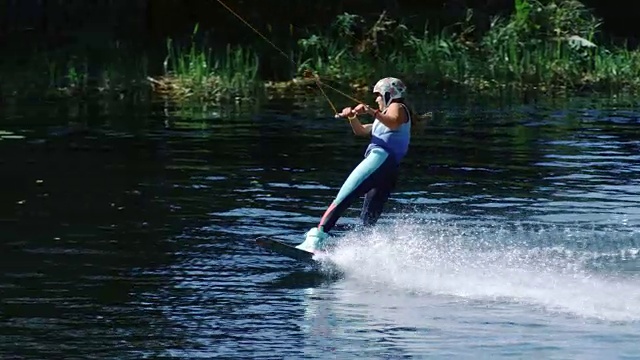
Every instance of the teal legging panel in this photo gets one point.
(375, 176)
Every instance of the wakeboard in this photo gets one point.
(285, 250)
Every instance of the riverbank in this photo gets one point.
(541, 47)
(553, 47)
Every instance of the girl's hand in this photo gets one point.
(347, 112)
(362, 109)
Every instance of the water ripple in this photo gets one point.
(513, 231)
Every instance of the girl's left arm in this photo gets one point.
(393, 118)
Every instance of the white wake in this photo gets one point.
(487, 263)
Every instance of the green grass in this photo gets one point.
(197, 73)
(70, 73)
(530, 50)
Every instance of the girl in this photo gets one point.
(375, 177)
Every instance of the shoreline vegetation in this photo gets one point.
(550, 46)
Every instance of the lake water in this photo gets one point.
(127, 234)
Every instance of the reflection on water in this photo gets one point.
(127, 234)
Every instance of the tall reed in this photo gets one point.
(201, 72)
(542, 45)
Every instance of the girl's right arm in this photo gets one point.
(358, 128)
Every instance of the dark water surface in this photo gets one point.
(126, 234)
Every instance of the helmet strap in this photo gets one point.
(387, 99)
